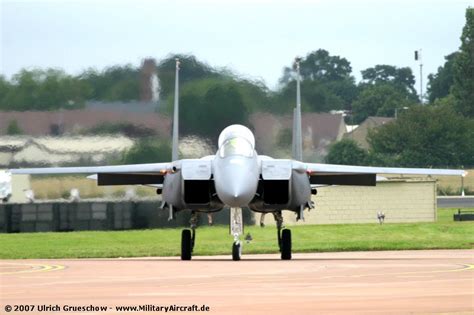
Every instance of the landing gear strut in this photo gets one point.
(284, 237)
(236, 229)
(188, 237)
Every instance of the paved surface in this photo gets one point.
(456, 202)
(416, 282)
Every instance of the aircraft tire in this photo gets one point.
(186, 245)
(236, 251)
(286, 244)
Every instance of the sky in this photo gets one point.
(254, 38)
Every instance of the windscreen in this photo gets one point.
(236, 146)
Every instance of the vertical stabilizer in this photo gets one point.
(174, 152)
(297, 130)
(293, 135)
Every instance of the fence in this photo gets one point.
(93, 215)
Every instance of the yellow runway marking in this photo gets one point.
(34, 268)
(466, 267)
(405, 274)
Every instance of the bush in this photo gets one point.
(347, 152)
(149, 150)
(13, 128)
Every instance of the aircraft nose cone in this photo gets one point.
(236, 193)
(236, 184)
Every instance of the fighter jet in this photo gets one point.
(236, 177)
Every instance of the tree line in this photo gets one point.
(439, 134)
(217, 95)
(327, 84)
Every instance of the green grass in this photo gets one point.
(216, 240)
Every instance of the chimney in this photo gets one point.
(149, 84)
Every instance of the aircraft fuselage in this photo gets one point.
(237, 177)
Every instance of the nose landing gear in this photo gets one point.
(236, 250)
(237, 229)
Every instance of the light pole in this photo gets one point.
(418, 57)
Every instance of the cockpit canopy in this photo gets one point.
(236, 140)
(236, 146)
(236, 131)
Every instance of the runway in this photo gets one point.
(415, 282)
(455, 202)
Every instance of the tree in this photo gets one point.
(43, 90)
(255, 95)
(116, 83)
(327, 84)
(127, 129)
(208, 106)
(319, 65)
(315, 97)
(347, 152)
(439, 84)
(24, 86)
(190, 69)
(13, 128)
(148, 150)
(401, 78)
(425, 137)
(346, 90)
(5, 88)
(284, 138)
(463, 87)
(379, 100)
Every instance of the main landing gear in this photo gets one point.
(188, 237)
(284, 237)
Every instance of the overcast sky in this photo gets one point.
(254, 38)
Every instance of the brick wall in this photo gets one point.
(407, 200)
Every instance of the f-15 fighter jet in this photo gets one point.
(236, 176)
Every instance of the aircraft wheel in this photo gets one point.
(186, 245)
(236, 251)
(286, 244)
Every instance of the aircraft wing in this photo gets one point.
(132, 174)
(332, 174)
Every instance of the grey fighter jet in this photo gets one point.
(237, 177)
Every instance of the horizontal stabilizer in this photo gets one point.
(344, 179)
(104, 179)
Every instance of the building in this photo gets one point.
(119, 106)
(399, 199)
(40, 151)
(43, 123)
(360, 133)
(149, 83)
(319, 130)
